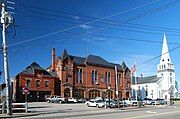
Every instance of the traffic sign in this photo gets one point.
(25, 90)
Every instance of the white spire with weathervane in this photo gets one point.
(165, 58)
(165, 61)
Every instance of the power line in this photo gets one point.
(84, 23)
(50, 19)
(158, 56)
(131, 19)
(73, 14)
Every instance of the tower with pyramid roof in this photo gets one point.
(165, 69)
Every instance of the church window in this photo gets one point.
(162, 74)
(170, 74)
(146, 93)
(171, 80)
(164, 66)
(168, 59)
(163, 60)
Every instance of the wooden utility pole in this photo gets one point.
(6, 20)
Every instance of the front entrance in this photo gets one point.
(94, 94)
(127, 95)
(66, 92)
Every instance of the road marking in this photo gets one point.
(151, 112)
(149, 115)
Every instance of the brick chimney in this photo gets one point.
(53, 59)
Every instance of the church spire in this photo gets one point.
(165, 58)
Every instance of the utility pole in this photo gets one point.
(117, 86)
(6, 20)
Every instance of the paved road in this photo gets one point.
(166, 113)
(79, 111)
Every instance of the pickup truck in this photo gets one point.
(53, 99)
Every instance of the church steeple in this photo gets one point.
(165, 70)
(165, 61)
(165, 58)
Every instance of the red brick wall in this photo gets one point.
(87, 82)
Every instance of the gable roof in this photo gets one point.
(143, 80)
(35, 67)
(64, 55)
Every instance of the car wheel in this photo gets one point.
(97, 106)
(60, 101)
(48, 101)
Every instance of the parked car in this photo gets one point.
(161, 101)
(53, 99)
(72, 100)
(148, 101)
(134, 103)
(111, 103)
(94, 103)
(123, 103)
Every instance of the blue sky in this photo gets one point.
(126, 40)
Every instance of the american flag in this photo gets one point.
(133, 69)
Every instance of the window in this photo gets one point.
(37, 83)
(146, 93)
(47, 83)
(28, 82)
(67, 79)
(164, 66)
(170, 74)
(94, 76)
(170, 79)
(119, 79)
(107, 78)
(79, 76)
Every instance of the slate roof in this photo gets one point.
(79, 60)
(92, 60)
(35, 67)
(96, 60)
(143, 80)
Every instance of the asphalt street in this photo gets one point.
(79, 111)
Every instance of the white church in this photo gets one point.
(162, 85)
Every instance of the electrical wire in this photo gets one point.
(107, 21)
(66, 29)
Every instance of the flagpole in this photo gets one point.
(135, 75)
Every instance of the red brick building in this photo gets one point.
(90, 77)
(39, 82)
